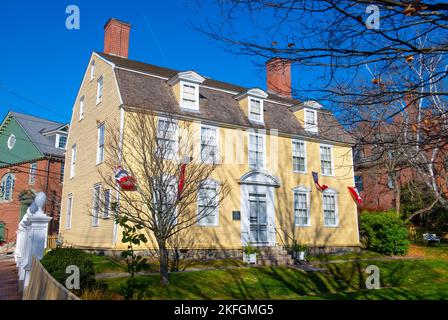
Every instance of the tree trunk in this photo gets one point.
(397, 196)
(163, 263)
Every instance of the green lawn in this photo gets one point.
(400, 279)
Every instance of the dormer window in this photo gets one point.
(255, 110)
(189, 96)
(310, 120)
(186, 87)
(62, 141)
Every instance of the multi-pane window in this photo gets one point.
(99, 92)
(81, 108)
(92, 70)
(359, 183)
(255, 110)
(310, 120)
(106, 203)
(62, 142)
(298, 156)
(326, 164)
(256, 151)
(96, 207)
(68, 218)
(329, 206)
(165, 197)
(189, 96)
(73, 162)
(6, 187)
(100, 151)
(208, 204)
(33, 172)
(166, 138)
(301, 208)
(62, 172)
(209, 144)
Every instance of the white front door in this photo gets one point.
(258, 229)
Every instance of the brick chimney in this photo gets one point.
(116, 38)
(278, 76)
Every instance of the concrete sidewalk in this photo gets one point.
(9, 280)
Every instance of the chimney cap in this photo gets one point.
(117, 20)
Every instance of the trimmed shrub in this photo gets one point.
(384, 232)
(56, 261)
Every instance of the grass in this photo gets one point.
(345, 256)
(400, 279)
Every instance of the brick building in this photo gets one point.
(31, 160)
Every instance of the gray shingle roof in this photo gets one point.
(146, 92)
(35, 127)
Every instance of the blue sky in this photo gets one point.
(42, 62)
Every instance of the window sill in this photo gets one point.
(99, 102)
(327, 175)
(261, 122)
(302, 225)
(208, 225)
(302, 172)
(336, 226)
(98, 163)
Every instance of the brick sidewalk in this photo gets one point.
(9, 281)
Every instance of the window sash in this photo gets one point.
(68, 218)
(326, 160)
(329, 206)
(255, 110)
(99, 96)
(207, 205)
(209, 145)
(301, 209)
(298, 156)
(62, 142)
(7, 187)
(81, 108)
(73, 162)
(256, 151)
(33, 172)
(166, 136)
(189, 96)
(96, 205)
(100, 152)
(106, 203)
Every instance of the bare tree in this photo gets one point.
(170, 195)
(335, 40)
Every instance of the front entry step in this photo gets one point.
(273, 256)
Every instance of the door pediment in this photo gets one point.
(260, 177)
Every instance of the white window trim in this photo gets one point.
(11, 141)
(307, 127)
(58, 137)
(249, 108)
(176, 136)
(304, 150)
(74, 154)
(93, 205)
(201, 222)
(332, 159)
(98, 98)
(217, 143)
(336, 207)
(264, 148)
(306, 191)
(98, 160)
(32, 181)
(92, 70)
(81, 108)
(68, 218)
(196, 91)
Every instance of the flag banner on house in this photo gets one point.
(355, 193)
(180, 186)
(316, 182)
(124, 179)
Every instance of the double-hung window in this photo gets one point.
(100, 148)
(99, 92)
(190, 96)
(81, 108)
(326, 162)
(166, 138)
(106, 203)
(33, 173)
(255, 110)
(256, 151)
(68, 217)
(208, 204)
(209, 144)
(73, 162)
(301, 208)
(92, 70)
(62, 141)
(96, 207)
(329, 203)
(310, 120)
(6, 187)
(298, 156)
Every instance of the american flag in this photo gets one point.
(316, 182)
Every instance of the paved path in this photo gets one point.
(9, 281)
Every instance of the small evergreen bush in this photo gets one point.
(384, 232)
(56, 261)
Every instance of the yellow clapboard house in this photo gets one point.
(276, 142)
